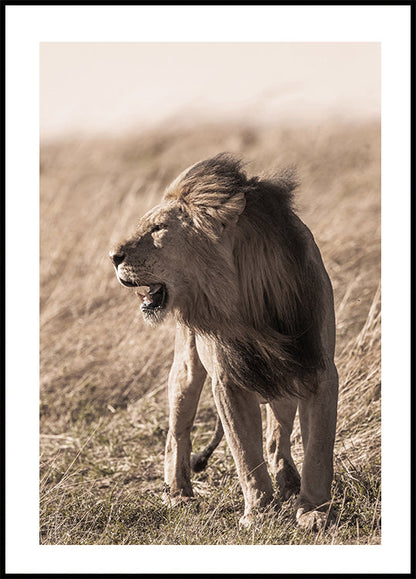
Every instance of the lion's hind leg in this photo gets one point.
(280, 415)
(318, 415)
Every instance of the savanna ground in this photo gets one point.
(103, 373)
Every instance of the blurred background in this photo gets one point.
(88, 88)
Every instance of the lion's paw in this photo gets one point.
(178, 500)
(314, 520)
(250, 520)
(258, 516)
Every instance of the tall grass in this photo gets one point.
(103, 373)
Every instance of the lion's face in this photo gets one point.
(153, 260)
(181, 256)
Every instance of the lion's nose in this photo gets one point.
(117, 257)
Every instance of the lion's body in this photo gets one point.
(244, 279)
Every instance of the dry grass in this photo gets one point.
(103, 373)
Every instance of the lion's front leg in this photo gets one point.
(318, 415)
(239, 411)
(186, 380)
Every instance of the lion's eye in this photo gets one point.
(158, 227)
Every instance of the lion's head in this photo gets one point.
(228, 256)
(180, 258)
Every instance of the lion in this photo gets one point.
(242, 275)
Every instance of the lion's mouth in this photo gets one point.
(153, 297)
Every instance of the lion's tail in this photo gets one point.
(199, 460)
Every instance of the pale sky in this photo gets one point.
(121, 87)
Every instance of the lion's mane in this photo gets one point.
(263, 306)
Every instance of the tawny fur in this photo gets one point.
(261, 301)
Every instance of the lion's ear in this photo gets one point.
(218, 215)
(227, 213)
